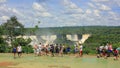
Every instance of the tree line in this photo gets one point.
(100, 35)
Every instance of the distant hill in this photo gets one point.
(78, 30)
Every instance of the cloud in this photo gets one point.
(103, 7)
(38, 7)
(58, 13)
(88, 11)
(40, 10)
(113, 16)
(91, 5)
(17, 12)
(4, 7)
(4, 18)
(69, 4)
(3, 1)
(71, 7)
(100, 0)
(118, 2)
(43, 14)
(46, 14)
(97, 12)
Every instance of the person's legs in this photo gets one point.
(117, 57)
(18, 54)
(61, 54)
(14, 55)
(52, 53)
(81, 53)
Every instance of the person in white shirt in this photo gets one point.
(19, 50)
(39, 49)
(81, 50)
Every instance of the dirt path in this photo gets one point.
(6, 64)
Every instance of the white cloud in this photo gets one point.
(2, 1)
(69, 4)
(9, 11)
(4, 7)
(91, 5)
(4, 18)
(43, 14)
(46, 14)
(88, 11)
(93, 12)
(17, 12)
(100, 0)
(104, 7)
(97, 12)
(38, 7)
(40, 10)
(71, 7)
(118, 2)
(113, 15)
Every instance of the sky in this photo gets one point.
(61, 13)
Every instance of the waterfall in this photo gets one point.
(49, 38)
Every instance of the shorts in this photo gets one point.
(76, 51)
(51, 50)
(115, 54)
(14, 51)
(19, 52)
(81, 52)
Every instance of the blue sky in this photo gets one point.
(59, 13)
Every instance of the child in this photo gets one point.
(115, 51)
(98, 52)
(81, 51)
(19, 50)
(14, 51)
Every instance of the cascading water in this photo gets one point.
(49, 38)
(75, 38)
(84, 38)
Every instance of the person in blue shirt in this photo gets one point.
(14, 51)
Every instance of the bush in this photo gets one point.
(27, 49)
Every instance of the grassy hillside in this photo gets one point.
(100, 35)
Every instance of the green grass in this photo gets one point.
(30, 61)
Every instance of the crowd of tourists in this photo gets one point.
(56, 49)
(60, 49)
(107, 51)
(17, 49)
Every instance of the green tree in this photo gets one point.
(13, 27)
(33, 30)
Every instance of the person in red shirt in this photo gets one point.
(115, 51)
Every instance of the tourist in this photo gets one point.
(61, 50)
(19, 50)
(115, 51)
(76, 50)
(106, 51)
(110, 50)
(98, 52)
(52, 49)
(39, 49)
(36, 49)
(57, 50)
(47, 49)
(81, 50)
(14, 51)
(101, 50)
(68, 49)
